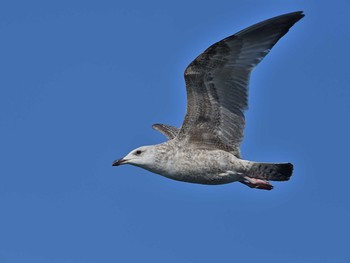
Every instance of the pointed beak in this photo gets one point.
(119, 162)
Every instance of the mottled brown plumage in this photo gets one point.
(206, 149)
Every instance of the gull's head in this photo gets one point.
(143, 156)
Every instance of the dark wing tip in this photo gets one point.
(294, 16)
(282, 22)
(297, 13)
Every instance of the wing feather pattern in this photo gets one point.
(217, 84)
(169, 131)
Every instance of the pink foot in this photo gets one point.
(256, 183)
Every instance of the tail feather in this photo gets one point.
(271, 171)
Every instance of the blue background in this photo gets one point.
(83, 81)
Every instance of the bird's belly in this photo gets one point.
(209, 179)
(206, 169)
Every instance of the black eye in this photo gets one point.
(138, 152)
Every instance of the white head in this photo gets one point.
(143, 156)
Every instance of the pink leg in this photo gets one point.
(256, 183)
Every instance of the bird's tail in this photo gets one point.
(271, 171)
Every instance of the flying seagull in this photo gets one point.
(206, 149)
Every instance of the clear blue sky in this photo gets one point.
(81, 83)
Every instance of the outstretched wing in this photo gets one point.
(169, 131)
(217, 84)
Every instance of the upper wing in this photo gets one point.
(169, 131)
(217, 84)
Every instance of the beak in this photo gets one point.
(119, 162)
